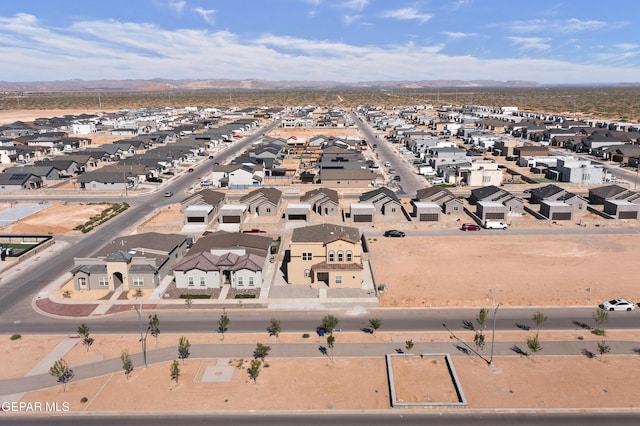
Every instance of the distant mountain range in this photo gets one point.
(159, 84)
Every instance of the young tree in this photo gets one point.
(83, 331)
(127, 364)
(174, 370)
(254, 369)
(329, 323)
(223, 322)
(183, 348)
(482, 317)
(533, 343)
(408, 345)
(261, 351)
(603, 348)
(60, 369)
(538, 318)
(600, 317)
(154, 326)
(330, 344)
(479, 340)
(375, 324)
(274, 328)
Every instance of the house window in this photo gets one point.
(82, 282)
(393, 209)
(251, 283)
(268, 209)
(332, 256)
(240, 282)
(190, 281)
(486, 179)
(338, 279)
(340, 256)
(349, 256)
(307, 255)
(203, 281)
(138, 281)
(103, 282)
(307, 273)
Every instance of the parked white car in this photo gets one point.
(618, 305)
(437, 181)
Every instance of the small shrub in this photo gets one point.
(245, 296)
(195, 296)
(305, 336)
(598, 332)
(16, 336)
(580, 337)
(84, 399)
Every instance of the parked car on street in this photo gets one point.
(190, 171)
(618, 305)
(470, 227)
(393, 233)
(168, 194)
(495, 224)
(154, 179)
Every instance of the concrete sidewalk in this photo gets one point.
(10, 387)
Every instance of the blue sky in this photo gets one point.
(549, 41)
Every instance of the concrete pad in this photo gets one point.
(219, 373)
(20, 211)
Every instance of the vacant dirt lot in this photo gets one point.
(522, 270)
(60, 218)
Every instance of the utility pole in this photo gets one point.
(493, 333)
(143, 337)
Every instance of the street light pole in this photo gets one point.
(143, 337)
(493, 333)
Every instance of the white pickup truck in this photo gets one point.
(494, 224)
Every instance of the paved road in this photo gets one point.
(384, 418)
(306, 320)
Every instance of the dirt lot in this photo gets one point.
(60, 218)
(543, 270)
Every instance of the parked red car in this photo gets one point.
(470, 227)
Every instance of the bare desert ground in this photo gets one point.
(60, 218)
(548, 270)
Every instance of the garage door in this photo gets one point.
(362, 218)
(561, 216)
(195, 219)
(231, 219)
(429, 217)
(297, 217)
(628, 215)
(494, 216)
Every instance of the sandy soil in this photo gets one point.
(58, 219)
(522, 270)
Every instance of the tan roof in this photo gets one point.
(325, 233)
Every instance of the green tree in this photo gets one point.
(603, 348)
(183, 348)
(408, 345)
(329, 323)
(533, 343)
(600, 317)
(60, 370)
(174, 370)
(479, 340)
(331, 341)
(83, 331)
(254, 369)
(261, 351)
(481, 318)
(154, 326)
(375, 324)
(127, 364)
(538, 318)
(274, 328)
(223, 322)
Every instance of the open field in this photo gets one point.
(611, 103)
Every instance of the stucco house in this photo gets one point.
(202, 207)
(449, 203)
(263, 201)
(224, 258)
(326, 254)
(19, 181)
(134, 262)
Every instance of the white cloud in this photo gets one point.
(350, 19)
(459, 34)
(407, 14)
(355, 4)
(626, 46)
(177, 6)
(207, 15)
(527, 43)
(123, 50)
(567, 26)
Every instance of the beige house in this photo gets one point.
(326, 254)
